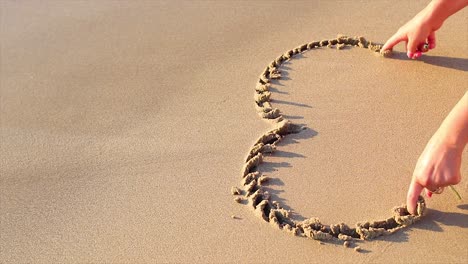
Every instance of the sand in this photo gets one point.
(124, 126)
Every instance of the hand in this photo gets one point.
(438, 166)
(418, 31)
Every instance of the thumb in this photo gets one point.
(413, 195)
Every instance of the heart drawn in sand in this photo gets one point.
(252, 178)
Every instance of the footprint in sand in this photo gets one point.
(252, 179)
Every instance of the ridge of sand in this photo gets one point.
(252, 178)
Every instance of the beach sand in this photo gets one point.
(124, 126)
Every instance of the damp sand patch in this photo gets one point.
(253, 181)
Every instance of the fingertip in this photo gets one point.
(409, 54)
(417, 54)
(411, 208)
(414, 55)
(414, 191)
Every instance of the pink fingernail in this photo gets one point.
(410, 54)
(417, 54)
(429, 194)
(431, 45)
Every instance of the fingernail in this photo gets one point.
(417, 54)
(429, 194)
(410, 54)
(431, 45)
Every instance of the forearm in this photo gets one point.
(437, 11)
(455, 126)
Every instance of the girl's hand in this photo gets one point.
(438, 166)
(421, 29)
(417, 32)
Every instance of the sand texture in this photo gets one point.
(222, 132)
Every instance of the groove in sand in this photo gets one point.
(253, 180)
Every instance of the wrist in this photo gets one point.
(450, 140)
(434, 15)
(454, 129)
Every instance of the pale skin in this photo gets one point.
(440, 162)
(421, 28)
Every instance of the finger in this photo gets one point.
(413, 195)
(431, 39)
(409, 53)
(411, 48)
(392, 41)
(417, 54)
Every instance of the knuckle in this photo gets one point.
(423, 180)
(426, 183)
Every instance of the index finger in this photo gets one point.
(414, 191)
(392, 41)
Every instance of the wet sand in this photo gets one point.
(125, 125)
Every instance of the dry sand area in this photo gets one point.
(124, 125)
